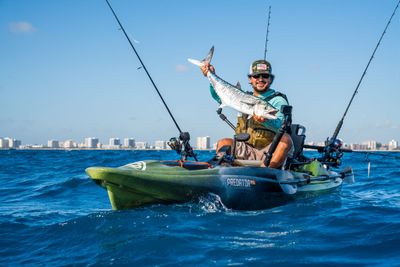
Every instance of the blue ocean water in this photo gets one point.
(51, 213)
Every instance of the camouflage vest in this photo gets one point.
(260, 136)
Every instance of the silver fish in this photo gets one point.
(234, 97)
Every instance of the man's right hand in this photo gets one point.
(207, 67)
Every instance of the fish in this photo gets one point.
(232, 96)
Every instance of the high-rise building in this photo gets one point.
(393, 145)
(114, 142)
(69, 144)
(14, 143)
(160, 144)
(8, 142)
(371, 145)
(53, 144)
(91, 142)
(203, 142)
(4, 143)
(129, 142)
(142, 145)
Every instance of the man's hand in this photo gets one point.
(259, 118)
(207, 67)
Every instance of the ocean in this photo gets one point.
(52, 214)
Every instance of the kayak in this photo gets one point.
(244, 186)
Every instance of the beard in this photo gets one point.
(261, 90)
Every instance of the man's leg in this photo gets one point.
(281, 152)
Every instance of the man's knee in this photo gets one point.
(224, 144)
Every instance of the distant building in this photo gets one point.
(371, 145)
(160, 144)
(142, 145)
(9, 143)
(53, 144)
(114, 142)
(69, 144)
(393, 145)
(203, 142)
(129, 142)
(358, 146)
(91, 142)
(3, 143)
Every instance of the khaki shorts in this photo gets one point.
(247, 152)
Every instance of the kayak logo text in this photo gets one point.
(240, 182)
(140, 165)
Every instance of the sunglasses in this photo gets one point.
(264, 76)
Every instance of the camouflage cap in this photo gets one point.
(260, 67)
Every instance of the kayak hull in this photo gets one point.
(166, 182)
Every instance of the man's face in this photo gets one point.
(260, 82)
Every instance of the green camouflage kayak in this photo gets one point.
(239, 187)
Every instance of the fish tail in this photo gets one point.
(204, 61)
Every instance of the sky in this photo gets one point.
(67, 71)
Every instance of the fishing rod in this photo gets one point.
(266, 36)
(340, 124)
(183, 136)
(333, 143)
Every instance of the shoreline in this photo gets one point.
(100, 149)
(154, 149)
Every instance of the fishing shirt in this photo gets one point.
(276, 102)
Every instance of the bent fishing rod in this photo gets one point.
(333, 145)
(340, 124)
(183, 136)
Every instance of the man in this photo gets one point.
(261, 131)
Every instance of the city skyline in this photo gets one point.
(202, 142)
(68, 74)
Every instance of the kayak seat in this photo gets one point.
(298, 137)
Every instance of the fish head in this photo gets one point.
(262, 109)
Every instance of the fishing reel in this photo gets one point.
(182, 146)
(332, 153)
(175, 144)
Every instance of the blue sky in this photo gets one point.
(67, 72)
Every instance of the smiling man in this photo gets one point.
(261, 130)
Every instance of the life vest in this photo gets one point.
(260, 136)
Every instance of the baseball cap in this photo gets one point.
(260, 67)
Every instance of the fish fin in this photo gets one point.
(204, 61)
(196, 62)
(209, 56)
(238, 85)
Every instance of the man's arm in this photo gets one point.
(277, 102)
